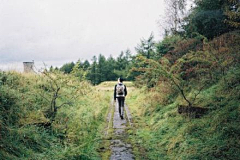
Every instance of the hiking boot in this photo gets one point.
(121, 117)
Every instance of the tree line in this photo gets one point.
(102, 68)
(184, 32)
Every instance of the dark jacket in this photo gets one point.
(115, 88)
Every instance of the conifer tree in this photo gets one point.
(232, 11)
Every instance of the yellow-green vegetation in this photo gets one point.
(209, 79)
(165, 134)
(112, 83)
(108, 86)
(50, 116)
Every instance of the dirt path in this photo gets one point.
(120, 149)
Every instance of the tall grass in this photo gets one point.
(165, 134)
(74, 133)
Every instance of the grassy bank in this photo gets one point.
(31, 129)
(163, 133)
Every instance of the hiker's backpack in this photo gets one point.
(120, 90)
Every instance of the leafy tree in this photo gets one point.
(67, 68)
(194, 66)
(210, 23)
(232, 11)
(79, 71)
(86, 65)
(110, 69)
(51, 69)
(146, 47)
(128, 55)
(130, 61)
(101, 68)
(209, 4)
(207, 18)
(92, 75)
(123, 64)
(122, 61)
(166, 45)
(56, 83)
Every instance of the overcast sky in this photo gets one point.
(59, 31)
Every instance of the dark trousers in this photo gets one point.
(121, 105)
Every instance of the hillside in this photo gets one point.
(38, 121)
(211, 84)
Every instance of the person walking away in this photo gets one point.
(120, 92)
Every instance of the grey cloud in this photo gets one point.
(60, 30)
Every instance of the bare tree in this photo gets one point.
(174, 13)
